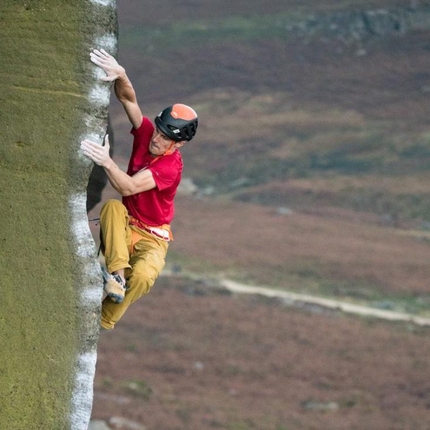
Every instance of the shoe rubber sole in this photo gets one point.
(114, 290)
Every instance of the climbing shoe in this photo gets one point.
(114, 287)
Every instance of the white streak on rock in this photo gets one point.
(100, 96)
(94, 123)
(90, 298)
(94, 137)
(98, 73)
(103, 2)
(82, 397)
(91, 292)
(80, 229)
(108, 42)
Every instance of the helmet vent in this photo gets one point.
(178, 122)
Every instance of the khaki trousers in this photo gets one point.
(140, 253)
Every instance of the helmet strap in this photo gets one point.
(170, 150)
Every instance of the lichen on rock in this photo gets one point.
(50, 280)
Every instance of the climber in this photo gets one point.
(135, 233)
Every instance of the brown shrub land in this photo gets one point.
(190, 357)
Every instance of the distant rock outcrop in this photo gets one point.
(358, 25)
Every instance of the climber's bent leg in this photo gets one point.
(147, 261)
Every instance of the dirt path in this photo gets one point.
(295, 299)
(298, 299)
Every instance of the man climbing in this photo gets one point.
(135, 234)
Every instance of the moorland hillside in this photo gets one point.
(312, 157)
(311, 163)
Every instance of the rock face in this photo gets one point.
(98, 178)
(50, 283)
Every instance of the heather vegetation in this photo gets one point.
(329, 118)
(312, 168)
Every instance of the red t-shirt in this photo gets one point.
(154, 207)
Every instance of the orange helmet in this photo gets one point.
(178, 122)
